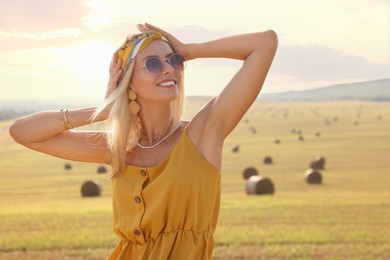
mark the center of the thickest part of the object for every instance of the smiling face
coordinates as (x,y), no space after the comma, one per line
(161,87)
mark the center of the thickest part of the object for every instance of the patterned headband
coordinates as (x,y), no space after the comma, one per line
(135,44)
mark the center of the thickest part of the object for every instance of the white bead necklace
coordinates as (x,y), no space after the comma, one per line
(162,139)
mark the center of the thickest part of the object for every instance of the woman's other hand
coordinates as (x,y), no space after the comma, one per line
(176,44)
(115,74)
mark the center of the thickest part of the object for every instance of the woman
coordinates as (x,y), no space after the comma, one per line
(165,172)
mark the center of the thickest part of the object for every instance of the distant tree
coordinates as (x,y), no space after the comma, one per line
(6,114)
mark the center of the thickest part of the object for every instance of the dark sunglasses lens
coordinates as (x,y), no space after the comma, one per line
(154,65)
(177,61)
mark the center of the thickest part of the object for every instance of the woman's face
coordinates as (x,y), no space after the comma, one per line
(162,87)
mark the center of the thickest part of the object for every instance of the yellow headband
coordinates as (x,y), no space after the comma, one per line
(135,44)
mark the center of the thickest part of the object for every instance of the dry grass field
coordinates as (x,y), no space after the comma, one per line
(44,216)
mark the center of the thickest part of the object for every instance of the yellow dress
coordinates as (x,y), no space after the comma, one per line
(169,211)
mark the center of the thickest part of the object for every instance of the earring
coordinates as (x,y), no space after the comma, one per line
(133,105)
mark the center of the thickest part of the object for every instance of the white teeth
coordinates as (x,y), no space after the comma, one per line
(167,83)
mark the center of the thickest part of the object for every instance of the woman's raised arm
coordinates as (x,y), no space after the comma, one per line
(46,131)
(213,123)
(257,50)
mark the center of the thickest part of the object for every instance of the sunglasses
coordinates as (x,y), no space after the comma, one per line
(155,65)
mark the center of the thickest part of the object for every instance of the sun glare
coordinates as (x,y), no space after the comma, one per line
(93,57)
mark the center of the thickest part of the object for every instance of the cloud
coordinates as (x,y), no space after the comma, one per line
(40,15)
(195,33)
(59,33)
(314,62)
(295,66)
(380,2)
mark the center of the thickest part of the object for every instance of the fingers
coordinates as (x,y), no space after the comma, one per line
(152,27)
(147,26)
(142,28)
(114,61)
(115,74)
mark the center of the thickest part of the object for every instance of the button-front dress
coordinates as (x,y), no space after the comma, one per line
(169,211)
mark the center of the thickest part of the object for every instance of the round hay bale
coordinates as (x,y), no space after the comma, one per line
(235,148)
(277,141)
(91,188)
(312,176)
(257,185)
(268,160)
(102,169)
(315,165)
(253,130)
(318,163)
(248,172)
(68,166)
(321,161)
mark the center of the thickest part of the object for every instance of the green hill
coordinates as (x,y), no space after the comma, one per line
(377,90)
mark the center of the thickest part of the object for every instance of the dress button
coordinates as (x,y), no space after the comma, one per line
(137,232)
(143,173)
(137,200)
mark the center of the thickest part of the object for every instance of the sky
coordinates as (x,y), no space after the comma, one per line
(58,49)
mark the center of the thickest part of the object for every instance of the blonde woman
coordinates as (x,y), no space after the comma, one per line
(165,171)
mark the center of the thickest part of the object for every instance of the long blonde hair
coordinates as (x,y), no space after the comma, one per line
(124,129)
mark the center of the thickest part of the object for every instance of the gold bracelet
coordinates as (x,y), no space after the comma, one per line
(64,119)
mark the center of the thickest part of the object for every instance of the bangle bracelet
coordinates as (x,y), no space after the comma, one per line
(64,119)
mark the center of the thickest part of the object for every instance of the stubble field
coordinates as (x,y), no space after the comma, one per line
(44,216)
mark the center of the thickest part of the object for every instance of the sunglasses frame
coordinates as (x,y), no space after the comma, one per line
(162,60)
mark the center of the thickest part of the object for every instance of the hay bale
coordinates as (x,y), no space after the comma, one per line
(315,165)
(268,160)
(253,130)
(277,141)
(102,169)
(321,160)
(312,176)
(235,148)
(249,172)
(91,188)
(258,185)
(318,163)
(301,138)
(68,166)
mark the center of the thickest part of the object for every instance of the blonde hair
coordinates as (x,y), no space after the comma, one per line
(124,129)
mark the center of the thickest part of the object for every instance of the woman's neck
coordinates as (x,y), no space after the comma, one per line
(155,124)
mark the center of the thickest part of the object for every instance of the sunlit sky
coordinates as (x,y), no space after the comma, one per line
(62,48)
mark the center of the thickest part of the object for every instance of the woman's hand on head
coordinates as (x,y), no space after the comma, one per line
(176,44)
(115,74)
